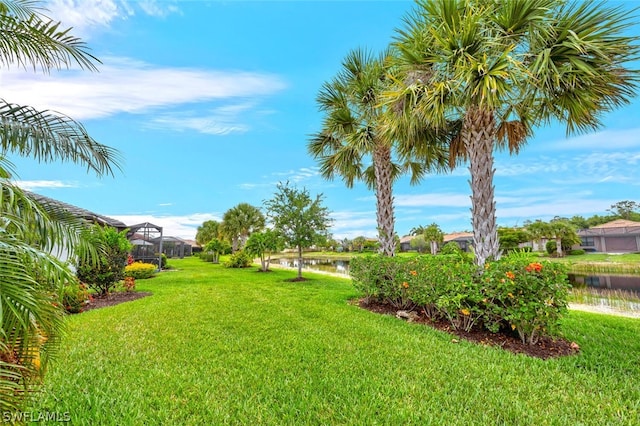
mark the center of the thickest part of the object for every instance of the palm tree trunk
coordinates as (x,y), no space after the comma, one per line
(384,199)
(434,247)
(478,134)
(559,247)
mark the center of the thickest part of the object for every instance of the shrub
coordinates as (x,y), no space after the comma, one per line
(577,252)
(103,268)
(75,297)
(551,247)
(451,248)
(515,292)
(140,271)
(129,284)
(530,297)
(239,259)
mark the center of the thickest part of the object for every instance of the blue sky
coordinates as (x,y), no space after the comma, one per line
(211,103)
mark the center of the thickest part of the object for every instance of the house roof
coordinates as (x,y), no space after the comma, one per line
(618,223)
(457,236)
(78,212)
(618,227)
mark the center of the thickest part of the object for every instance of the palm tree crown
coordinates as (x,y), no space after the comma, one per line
(355,129)
(495,70)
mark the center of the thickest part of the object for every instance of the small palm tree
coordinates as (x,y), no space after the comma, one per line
(355,130)
(239,222)
(490,72)
(31,278)
(434,235)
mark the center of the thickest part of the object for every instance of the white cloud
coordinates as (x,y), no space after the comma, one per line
(609,140)
(174,226)
(350,224)
(128,86)
(219,121)
(88,16)
(31,185)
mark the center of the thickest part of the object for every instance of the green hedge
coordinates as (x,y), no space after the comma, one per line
(515,292)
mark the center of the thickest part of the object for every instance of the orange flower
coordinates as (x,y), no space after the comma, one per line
(465,311)
(510,275)
(405,284)
(414,273)
(534,266)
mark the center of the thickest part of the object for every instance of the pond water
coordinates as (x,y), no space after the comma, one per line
(324,265)
(606,281)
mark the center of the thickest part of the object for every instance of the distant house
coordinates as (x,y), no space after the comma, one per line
(405,242)
(464,239)
(618,236)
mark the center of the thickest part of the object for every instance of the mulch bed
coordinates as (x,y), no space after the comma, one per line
(115,298)
(544,349)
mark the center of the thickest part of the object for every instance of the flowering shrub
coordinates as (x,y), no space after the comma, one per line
(529,297)
(139,270)
(129,284)
(382,278)
(75,297)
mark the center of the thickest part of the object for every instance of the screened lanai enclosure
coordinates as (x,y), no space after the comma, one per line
(146,239)
(173,247)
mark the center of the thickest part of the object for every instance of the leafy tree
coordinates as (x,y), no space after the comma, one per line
(263,245)
(31,231)
(217,247)
(359,243)
(206,232)
(102,271)
(241,221)
(490,72)
(625,209)
(354,131)
(511,238)
(301,220)
(418,243)
(434,236)
(579,222)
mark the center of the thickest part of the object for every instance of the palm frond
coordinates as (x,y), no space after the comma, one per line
(37,42)
(47,136)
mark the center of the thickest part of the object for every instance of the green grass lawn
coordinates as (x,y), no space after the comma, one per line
(222,346)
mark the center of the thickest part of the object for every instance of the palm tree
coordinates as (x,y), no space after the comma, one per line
(209,230)
(241,221)
(354,129)
(434,235)
(498,69)
(31,277)
(417,230)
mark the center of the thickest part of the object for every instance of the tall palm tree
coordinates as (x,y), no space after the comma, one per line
(241,221)
(498,69)
(30,276)
(355,130)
